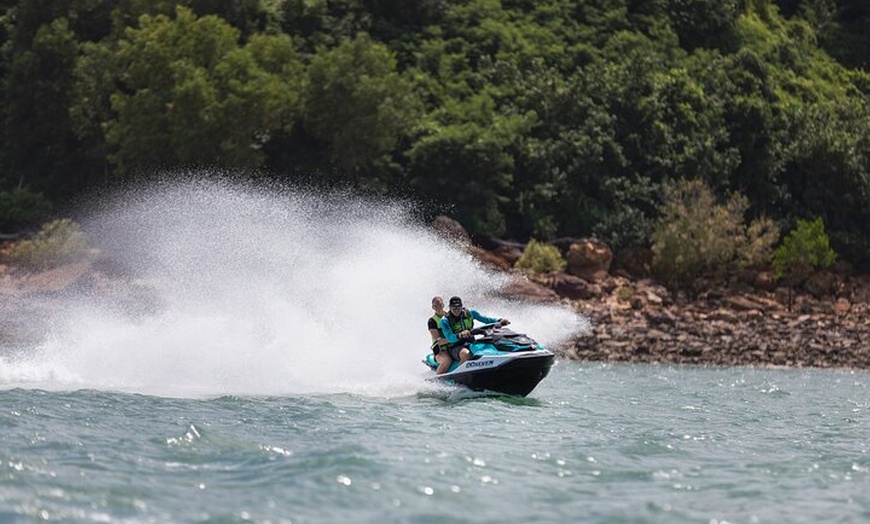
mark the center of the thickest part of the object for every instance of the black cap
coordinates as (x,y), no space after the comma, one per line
(455,302)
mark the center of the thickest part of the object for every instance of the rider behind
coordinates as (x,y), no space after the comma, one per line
(439,343)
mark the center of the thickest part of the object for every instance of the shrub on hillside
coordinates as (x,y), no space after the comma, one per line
(697,237)
(58,242)
(540,258)
(805,249)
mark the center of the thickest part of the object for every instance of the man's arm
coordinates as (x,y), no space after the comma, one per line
(483,318)
(447,332)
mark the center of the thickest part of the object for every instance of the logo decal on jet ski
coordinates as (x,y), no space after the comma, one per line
(479,363)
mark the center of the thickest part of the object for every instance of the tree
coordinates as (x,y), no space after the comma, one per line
(322,23)
(468,165)
(704,23)
(829,164)
(42,151)
(698,237)
(803,250)
(191,95)
(356,103)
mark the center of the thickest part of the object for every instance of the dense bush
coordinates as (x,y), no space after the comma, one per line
(803,250)
(541,257)
(58,242)
(696,236)
(21,208)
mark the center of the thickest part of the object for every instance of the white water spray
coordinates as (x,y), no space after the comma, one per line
(266,292)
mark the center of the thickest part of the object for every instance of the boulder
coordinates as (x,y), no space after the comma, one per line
(636,261)
(572,287)
(764,280)
(842,306)
(489,258)
(520,288)
(656,294)
(451,230)
(660,317)
(589,259)
(54,279)
(824,283)
(509,254)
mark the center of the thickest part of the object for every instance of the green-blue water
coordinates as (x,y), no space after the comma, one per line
(594,443)
(258,359)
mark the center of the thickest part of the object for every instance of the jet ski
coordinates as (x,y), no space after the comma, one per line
(502,361)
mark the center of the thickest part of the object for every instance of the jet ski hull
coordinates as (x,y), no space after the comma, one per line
(511,374)
(502,361)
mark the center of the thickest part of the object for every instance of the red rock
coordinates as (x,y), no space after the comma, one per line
(55,279)
(842,306)
(525,289)
(451,229)
(589,259)
(508,253)
(572,287)
(765,281)
(489,258)
(742,303)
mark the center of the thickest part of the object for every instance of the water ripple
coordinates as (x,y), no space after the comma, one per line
(624,444)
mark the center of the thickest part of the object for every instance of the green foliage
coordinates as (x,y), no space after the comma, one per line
(38,141)
(540,257)
(842,29)
(629,221)
(803,250)
(323,22)
(698,237)
(525,118)
(356,103)
(469,163)
(704,23)
(192,95)
(58,242)
(829,165)
(21,208)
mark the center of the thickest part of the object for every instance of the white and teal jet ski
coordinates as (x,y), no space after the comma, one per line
(502,361)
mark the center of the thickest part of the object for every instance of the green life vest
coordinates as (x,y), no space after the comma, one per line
(460,323)
(437,320)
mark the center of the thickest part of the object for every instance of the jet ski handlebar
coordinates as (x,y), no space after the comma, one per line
(484,330)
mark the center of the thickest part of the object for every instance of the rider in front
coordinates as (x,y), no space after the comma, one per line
(456,327)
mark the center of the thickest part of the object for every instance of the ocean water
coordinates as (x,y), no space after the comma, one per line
(594,443)
(273,375)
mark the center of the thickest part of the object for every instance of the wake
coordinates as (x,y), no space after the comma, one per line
(264,291)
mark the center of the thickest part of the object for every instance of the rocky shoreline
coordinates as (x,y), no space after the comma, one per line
(747,323)
(637,320)
(724,329)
